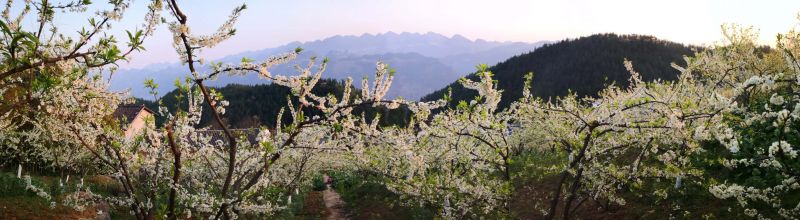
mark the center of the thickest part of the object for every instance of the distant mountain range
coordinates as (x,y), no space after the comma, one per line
(424,62)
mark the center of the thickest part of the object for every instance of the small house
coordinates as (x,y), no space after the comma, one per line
(133,118)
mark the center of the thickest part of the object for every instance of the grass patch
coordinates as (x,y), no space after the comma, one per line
(17,202)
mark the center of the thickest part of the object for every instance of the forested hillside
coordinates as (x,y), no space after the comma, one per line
(583,65)
(259,105)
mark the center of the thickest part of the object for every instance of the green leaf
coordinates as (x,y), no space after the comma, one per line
(149,83)
(5,28)
(338,127)
(482,67)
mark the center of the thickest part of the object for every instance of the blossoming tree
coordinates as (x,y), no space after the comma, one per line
(458,159)
(50,78)
(177,165)
(759,133)
(626,140)
(733,106)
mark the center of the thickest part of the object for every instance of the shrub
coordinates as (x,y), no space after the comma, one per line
(318,183)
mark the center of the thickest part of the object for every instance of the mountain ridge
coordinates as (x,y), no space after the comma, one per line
(440,60)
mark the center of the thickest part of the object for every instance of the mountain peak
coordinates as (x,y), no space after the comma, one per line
(430,57)
(460,38)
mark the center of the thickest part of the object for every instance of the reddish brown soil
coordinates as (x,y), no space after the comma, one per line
(25,208)
(334,204)
(313,206)
(533,196)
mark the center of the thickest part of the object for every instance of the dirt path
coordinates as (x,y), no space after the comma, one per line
(334,204)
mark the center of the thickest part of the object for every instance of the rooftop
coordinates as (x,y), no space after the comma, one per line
(129,112)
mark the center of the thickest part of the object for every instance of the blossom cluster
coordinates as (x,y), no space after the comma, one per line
(642,139)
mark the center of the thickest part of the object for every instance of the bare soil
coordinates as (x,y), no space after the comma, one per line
(334,204)
(19,208)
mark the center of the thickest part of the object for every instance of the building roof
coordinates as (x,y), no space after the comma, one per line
(129,112)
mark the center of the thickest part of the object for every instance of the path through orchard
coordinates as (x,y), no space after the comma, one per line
(334,203)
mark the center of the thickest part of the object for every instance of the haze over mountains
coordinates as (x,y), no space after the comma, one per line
(424,62)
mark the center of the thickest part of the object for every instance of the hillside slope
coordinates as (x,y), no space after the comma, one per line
(583,65)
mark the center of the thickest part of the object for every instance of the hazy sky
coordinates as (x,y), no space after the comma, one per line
(270,23)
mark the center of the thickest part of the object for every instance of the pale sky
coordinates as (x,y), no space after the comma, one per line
(270,23)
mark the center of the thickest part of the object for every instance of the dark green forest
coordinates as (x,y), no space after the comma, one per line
(584,66)
(257,105)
